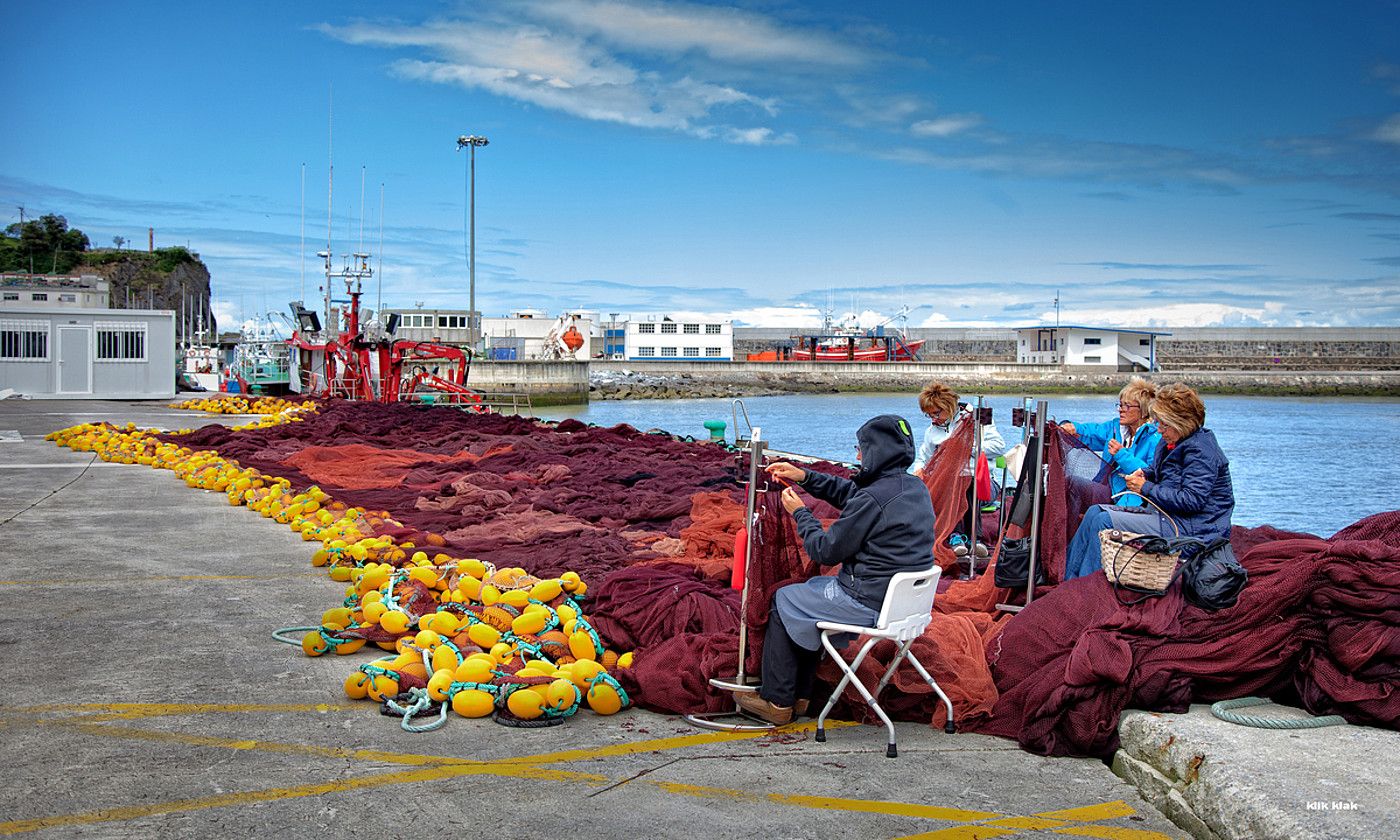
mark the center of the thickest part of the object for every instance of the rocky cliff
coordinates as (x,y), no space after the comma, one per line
(168,278)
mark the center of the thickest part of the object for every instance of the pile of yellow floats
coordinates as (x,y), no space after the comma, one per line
(237,405)
(477,638)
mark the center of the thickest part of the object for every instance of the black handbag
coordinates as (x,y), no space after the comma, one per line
(1013,563)
(1212,578)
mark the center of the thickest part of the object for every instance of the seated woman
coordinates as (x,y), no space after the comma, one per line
(1128,443)
(940,404)
(885,527)
(1189,479)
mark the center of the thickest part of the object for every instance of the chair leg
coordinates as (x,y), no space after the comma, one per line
(950,727)
(848,676)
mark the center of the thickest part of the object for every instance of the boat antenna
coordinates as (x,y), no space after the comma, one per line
(379,280)
(362,207)
(330,191)
(1057,309)
(303,233)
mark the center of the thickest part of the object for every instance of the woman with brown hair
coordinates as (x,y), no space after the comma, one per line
(1189,480)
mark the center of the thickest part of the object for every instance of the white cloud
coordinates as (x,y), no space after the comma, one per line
(731,35)
(586,60)
(1267,314)
(945,126)
(1388,131)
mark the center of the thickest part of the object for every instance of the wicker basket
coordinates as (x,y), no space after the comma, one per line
(1129,566)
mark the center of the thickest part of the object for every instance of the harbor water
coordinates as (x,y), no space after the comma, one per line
(1300,463)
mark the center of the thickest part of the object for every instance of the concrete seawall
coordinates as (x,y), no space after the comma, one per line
(552,382)
(669,380)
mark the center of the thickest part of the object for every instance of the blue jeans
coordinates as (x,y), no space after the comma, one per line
(1083,556)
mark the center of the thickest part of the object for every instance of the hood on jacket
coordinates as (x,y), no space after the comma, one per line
(886,444)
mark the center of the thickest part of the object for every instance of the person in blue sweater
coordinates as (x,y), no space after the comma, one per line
(1189,480)
(1126,444)
(886,527)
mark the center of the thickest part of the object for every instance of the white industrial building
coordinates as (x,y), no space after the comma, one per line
(662,338)
(1104,349)
(66,353)
(43,291)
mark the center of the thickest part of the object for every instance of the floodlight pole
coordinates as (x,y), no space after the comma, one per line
(473,323)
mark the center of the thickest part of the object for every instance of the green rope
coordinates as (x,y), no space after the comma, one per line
(1223,710)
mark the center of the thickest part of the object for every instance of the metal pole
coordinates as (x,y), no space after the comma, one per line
(1041,411)
(974,504)
(471,264)
(755,464)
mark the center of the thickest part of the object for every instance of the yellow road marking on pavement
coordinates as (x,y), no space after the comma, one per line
(431,767)
(400,777)
(1092,813)
(1027,823)
(127,580)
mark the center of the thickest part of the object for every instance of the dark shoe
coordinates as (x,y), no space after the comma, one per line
(755,705)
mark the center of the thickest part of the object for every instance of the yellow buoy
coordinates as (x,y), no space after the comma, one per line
(604,699)
(357,685)
(313,645)
(438,684)
(484,635)
(394,621)
(475,671)
(582,646)
(381,686)
(473,703)
(562,694)
(526,703)
(529,623)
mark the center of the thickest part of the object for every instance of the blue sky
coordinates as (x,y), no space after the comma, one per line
(1154,164)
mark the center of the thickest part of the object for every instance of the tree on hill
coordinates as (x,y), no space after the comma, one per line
(45,245)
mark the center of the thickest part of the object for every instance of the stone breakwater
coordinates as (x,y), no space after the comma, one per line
(636,385)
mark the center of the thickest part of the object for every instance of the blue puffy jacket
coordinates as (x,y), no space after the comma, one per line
(1191,481)
(1138,455)
(887,522)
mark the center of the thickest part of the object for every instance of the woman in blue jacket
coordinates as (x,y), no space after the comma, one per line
(886,527)
(1128,443)
(1189,479)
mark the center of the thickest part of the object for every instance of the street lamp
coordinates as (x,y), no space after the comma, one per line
(473,322)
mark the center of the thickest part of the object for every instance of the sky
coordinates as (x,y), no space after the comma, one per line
(1147,165)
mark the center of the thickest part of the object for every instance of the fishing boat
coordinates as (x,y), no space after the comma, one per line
(855,348)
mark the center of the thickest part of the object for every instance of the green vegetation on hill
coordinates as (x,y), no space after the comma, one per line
(162,260)
(45,245)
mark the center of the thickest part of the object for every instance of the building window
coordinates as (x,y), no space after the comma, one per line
(646,328)
(39,296)
(1094,341)
(691,329)
(27,340)
(714,351)
(12,296)
(690,351)
(452,322)
(668,351)
(67,298)
(668,327)
(646,351)
(121,342)
(1092,360)
(713,329)
(1144,342)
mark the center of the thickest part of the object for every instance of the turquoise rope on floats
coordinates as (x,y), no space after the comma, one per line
(604,677)
(420,702)
(331,642)
(1225,711)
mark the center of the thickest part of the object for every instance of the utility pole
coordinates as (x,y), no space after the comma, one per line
(473,321)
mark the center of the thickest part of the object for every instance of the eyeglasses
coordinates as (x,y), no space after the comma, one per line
(1127,406)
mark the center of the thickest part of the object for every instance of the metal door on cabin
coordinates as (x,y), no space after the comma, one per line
(75,360)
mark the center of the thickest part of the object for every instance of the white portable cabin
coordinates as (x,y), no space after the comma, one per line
(1106,349)
(126,354)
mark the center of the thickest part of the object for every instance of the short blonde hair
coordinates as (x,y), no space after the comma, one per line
(939,397)
(1179,408)
(1139,391)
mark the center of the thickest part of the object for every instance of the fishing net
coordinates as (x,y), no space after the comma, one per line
(650,521)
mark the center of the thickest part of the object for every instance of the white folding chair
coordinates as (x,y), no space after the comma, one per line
(906,612)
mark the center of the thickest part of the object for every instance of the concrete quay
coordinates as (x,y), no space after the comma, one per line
(1222,781)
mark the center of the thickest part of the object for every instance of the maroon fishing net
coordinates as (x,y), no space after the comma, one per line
(650,522)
